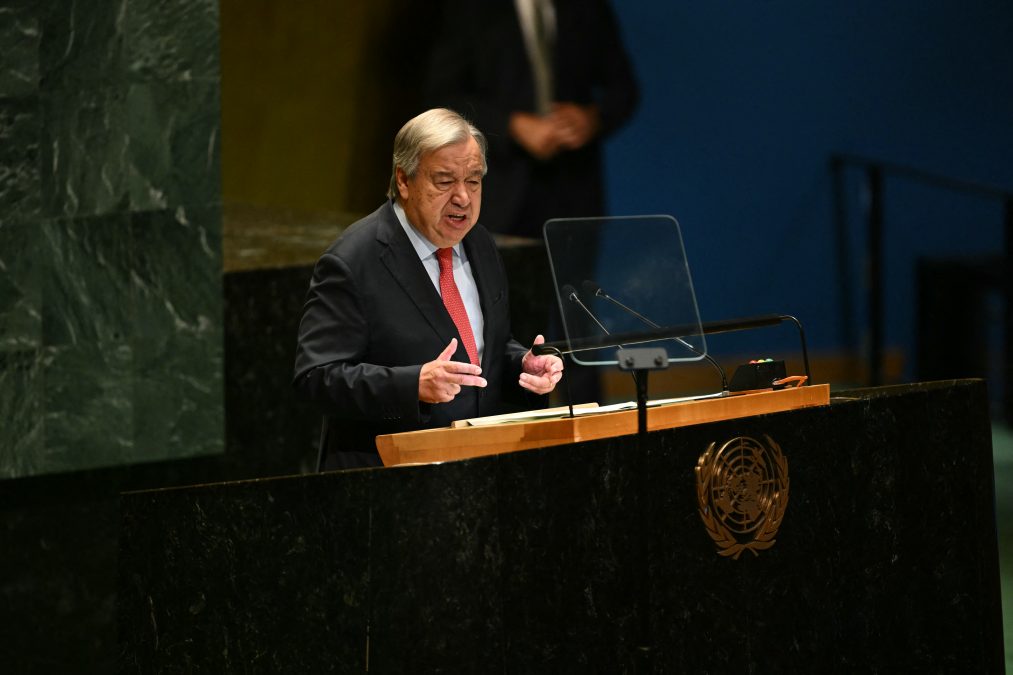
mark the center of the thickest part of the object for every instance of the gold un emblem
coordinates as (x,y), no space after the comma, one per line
(742,491)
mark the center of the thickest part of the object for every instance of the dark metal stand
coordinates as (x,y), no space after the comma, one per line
(640,362)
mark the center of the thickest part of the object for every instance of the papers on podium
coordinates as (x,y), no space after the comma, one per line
(579,410)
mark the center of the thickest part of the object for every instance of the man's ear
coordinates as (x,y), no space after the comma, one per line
(402,183)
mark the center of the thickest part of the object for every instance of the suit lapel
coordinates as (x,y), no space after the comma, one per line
(402,262)
(489,293)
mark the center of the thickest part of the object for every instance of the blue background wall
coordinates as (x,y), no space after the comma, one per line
(744,102)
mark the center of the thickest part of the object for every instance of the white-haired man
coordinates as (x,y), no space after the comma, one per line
(406,323)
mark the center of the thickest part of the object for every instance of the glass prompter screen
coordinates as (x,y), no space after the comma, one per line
(623,282)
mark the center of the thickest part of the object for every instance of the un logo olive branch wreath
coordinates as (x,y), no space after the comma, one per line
(742,494)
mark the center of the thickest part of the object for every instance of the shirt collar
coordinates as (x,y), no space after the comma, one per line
(423,247)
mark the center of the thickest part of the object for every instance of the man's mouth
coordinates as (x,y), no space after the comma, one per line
(457,217)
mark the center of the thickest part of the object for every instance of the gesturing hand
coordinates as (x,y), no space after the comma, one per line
(540,373)
(441,380)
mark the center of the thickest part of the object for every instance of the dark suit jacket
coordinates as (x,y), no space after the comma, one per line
(480,68)
(372,318)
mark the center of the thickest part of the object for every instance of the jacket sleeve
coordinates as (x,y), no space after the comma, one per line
(332,367)
(618,93)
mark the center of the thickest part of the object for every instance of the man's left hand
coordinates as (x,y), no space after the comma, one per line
(540,373)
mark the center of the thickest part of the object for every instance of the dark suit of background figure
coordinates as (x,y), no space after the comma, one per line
(372,317)
(480,67)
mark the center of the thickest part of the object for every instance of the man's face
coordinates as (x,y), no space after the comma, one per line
(443,199)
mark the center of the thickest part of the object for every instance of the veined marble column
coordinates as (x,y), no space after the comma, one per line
(110,234)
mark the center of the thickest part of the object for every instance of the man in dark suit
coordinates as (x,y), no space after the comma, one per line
(547,81)
(406,324)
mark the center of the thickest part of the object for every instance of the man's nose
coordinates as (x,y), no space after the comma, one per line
(461,196)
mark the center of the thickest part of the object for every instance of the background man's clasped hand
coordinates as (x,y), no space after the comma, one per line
(567,127)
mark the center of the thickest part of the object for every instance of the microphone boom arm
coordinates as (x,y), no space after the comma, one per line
(599,293)
(708,328)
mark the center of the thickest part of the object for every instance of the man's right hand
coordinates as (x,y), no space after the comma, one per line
(441,380)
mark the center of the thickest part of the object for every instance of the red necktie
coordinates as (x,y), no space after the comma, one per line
(452,299)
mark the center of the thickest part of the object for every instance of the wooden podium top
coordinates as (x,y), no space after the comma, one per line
(446,444)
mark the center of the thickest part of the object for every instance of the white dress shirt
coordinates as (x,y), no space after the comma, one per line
(463,276)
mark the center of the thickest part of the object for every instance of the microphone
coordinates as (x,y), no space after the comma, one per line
(595,290)
(570,293)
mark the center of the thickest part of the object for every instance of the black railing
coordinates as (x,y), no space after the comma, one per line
(875,173)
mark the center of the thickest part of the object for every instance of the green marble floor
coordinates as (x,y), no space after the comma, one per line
(1002,451)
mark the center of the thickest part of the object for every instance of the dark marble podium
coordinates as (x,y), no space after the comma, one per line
(590,557)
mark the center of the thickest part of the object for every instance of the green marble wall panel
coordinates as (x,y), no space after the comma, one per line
(178,337)
(174,155)
(111,326)
(81,45)
(86,281)
(155,52)
(21,409)
(20,287)
(145,146)
(20,173)
(87,399)
(85,141)
(114,41)
(19,36)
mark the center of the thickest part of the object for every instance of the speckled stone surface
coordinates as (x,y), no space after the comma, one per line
(570,559)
